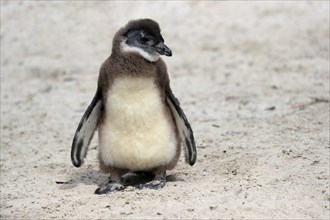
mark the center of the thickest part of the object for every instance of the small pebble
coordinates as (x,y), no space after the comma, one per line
(213,207)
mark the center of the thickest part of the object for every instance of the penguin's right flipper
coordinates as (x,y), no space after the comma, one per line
(183,126)
(86,129)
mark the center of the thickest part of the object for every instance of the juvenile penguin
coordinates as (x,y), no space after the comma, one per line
(140,122)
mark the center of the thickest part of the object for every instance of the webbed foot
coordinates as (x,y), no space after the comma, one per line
(158,182)
(109,188)
(154,184)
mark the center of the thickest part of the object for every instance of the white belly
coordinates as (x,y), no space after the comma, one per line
(135,133)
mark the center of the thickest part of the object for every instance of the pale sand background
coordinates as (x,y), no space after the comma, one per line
(231,61)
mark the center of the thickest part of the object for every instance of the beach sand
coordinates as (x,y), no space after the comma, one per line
(252,78)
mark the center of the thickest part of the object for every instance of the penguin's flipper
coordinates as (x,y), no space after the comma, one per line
(86,129)
(183,126)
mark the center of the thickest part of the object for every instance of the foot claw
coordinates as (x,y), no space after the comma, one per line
(154,184)
(109,188)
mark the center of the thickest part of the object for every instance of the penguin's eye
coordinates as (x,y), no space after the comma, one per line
(145,39)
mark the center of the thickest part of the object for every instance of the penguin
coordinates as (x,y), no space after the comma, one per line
(140,123)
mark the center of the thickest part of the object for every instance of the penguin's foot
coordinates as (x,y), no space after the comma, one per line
(157,183)
(154,184)
(109,188)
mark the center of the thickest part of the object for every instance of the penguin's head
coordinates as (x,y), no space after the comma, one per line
(144,38)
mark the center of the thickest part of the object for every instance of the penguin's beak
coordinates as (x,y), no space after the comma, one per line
(162,49)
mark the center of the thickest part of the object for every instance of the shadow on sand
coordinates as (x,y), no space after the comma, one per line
(95,177)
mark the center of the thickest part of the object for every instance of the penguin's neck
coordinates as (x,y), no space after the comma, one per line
(132,64)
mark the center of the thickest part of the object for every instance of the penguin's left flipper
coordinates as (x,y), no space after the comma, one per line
(86,129)
(183,126)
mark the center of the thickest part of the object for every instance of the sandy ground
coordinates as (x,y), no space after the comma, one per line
(252,77)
